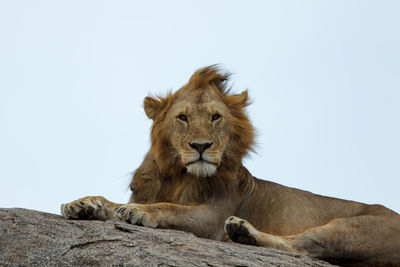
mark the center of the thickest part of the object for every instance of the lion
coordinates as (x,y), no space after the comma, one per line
(192,179)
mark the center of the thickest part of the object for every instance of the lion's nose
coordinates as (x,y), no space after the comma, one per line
(200,147)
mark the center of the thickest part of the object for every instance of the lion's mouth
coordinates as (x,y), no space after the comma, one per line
(201,160)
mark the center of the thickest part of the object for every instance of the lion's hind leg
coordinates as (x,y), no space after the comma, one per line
(89,208)
(366,240)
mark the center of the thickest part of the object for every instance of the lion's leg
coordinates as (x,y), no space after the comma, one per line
(202,220)
(90,208)
(366,239)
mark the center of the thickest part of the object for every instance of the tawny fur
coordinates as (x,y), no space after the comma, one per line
(192,179)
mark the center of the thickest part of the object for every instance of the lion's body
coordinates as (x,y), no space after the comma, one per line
(192,179)
(281,209)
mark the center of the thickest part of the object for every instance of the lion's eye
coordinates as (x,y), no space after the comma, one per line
(183,117)
(215,117)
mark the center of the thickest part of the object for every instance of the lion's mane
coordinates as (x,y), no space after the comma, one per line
(162,169)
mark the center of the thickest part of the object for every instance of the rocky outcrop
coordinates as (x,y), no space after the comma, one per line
(30,238)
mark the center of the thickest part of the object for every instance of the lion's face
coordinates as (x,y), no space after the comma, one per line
(200,126)
(199,131)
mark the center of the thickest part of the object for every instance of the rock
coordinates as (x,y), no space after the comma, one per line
(30,238)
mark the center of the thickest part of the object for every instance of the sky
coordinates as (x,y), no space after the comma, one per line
(323,76)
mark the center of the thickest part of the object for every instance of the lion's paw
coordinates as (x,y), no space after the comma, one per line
(89,208)
(240,231)
(136,214)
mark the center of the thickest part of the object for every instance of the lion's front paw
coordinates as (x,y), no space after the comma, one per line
(137,214)
(240,231)
(90,208)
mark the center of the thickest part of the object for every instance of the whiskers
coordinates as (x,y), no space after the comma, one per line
(190,157)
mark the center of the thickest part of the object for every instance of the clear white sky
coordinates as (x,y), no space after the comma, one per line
(324,77)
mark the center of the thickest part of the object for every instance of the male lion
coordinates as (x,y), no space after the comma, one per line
(192,179)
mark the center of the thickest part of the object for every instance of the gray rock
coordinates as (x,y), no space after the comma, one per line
(30,237)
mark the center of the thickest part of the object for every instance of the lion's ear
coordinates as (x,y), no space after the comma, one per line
(152,106)
(238,100)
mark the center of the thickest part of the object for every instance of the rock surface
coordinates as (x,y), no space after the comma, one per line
(30,238)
